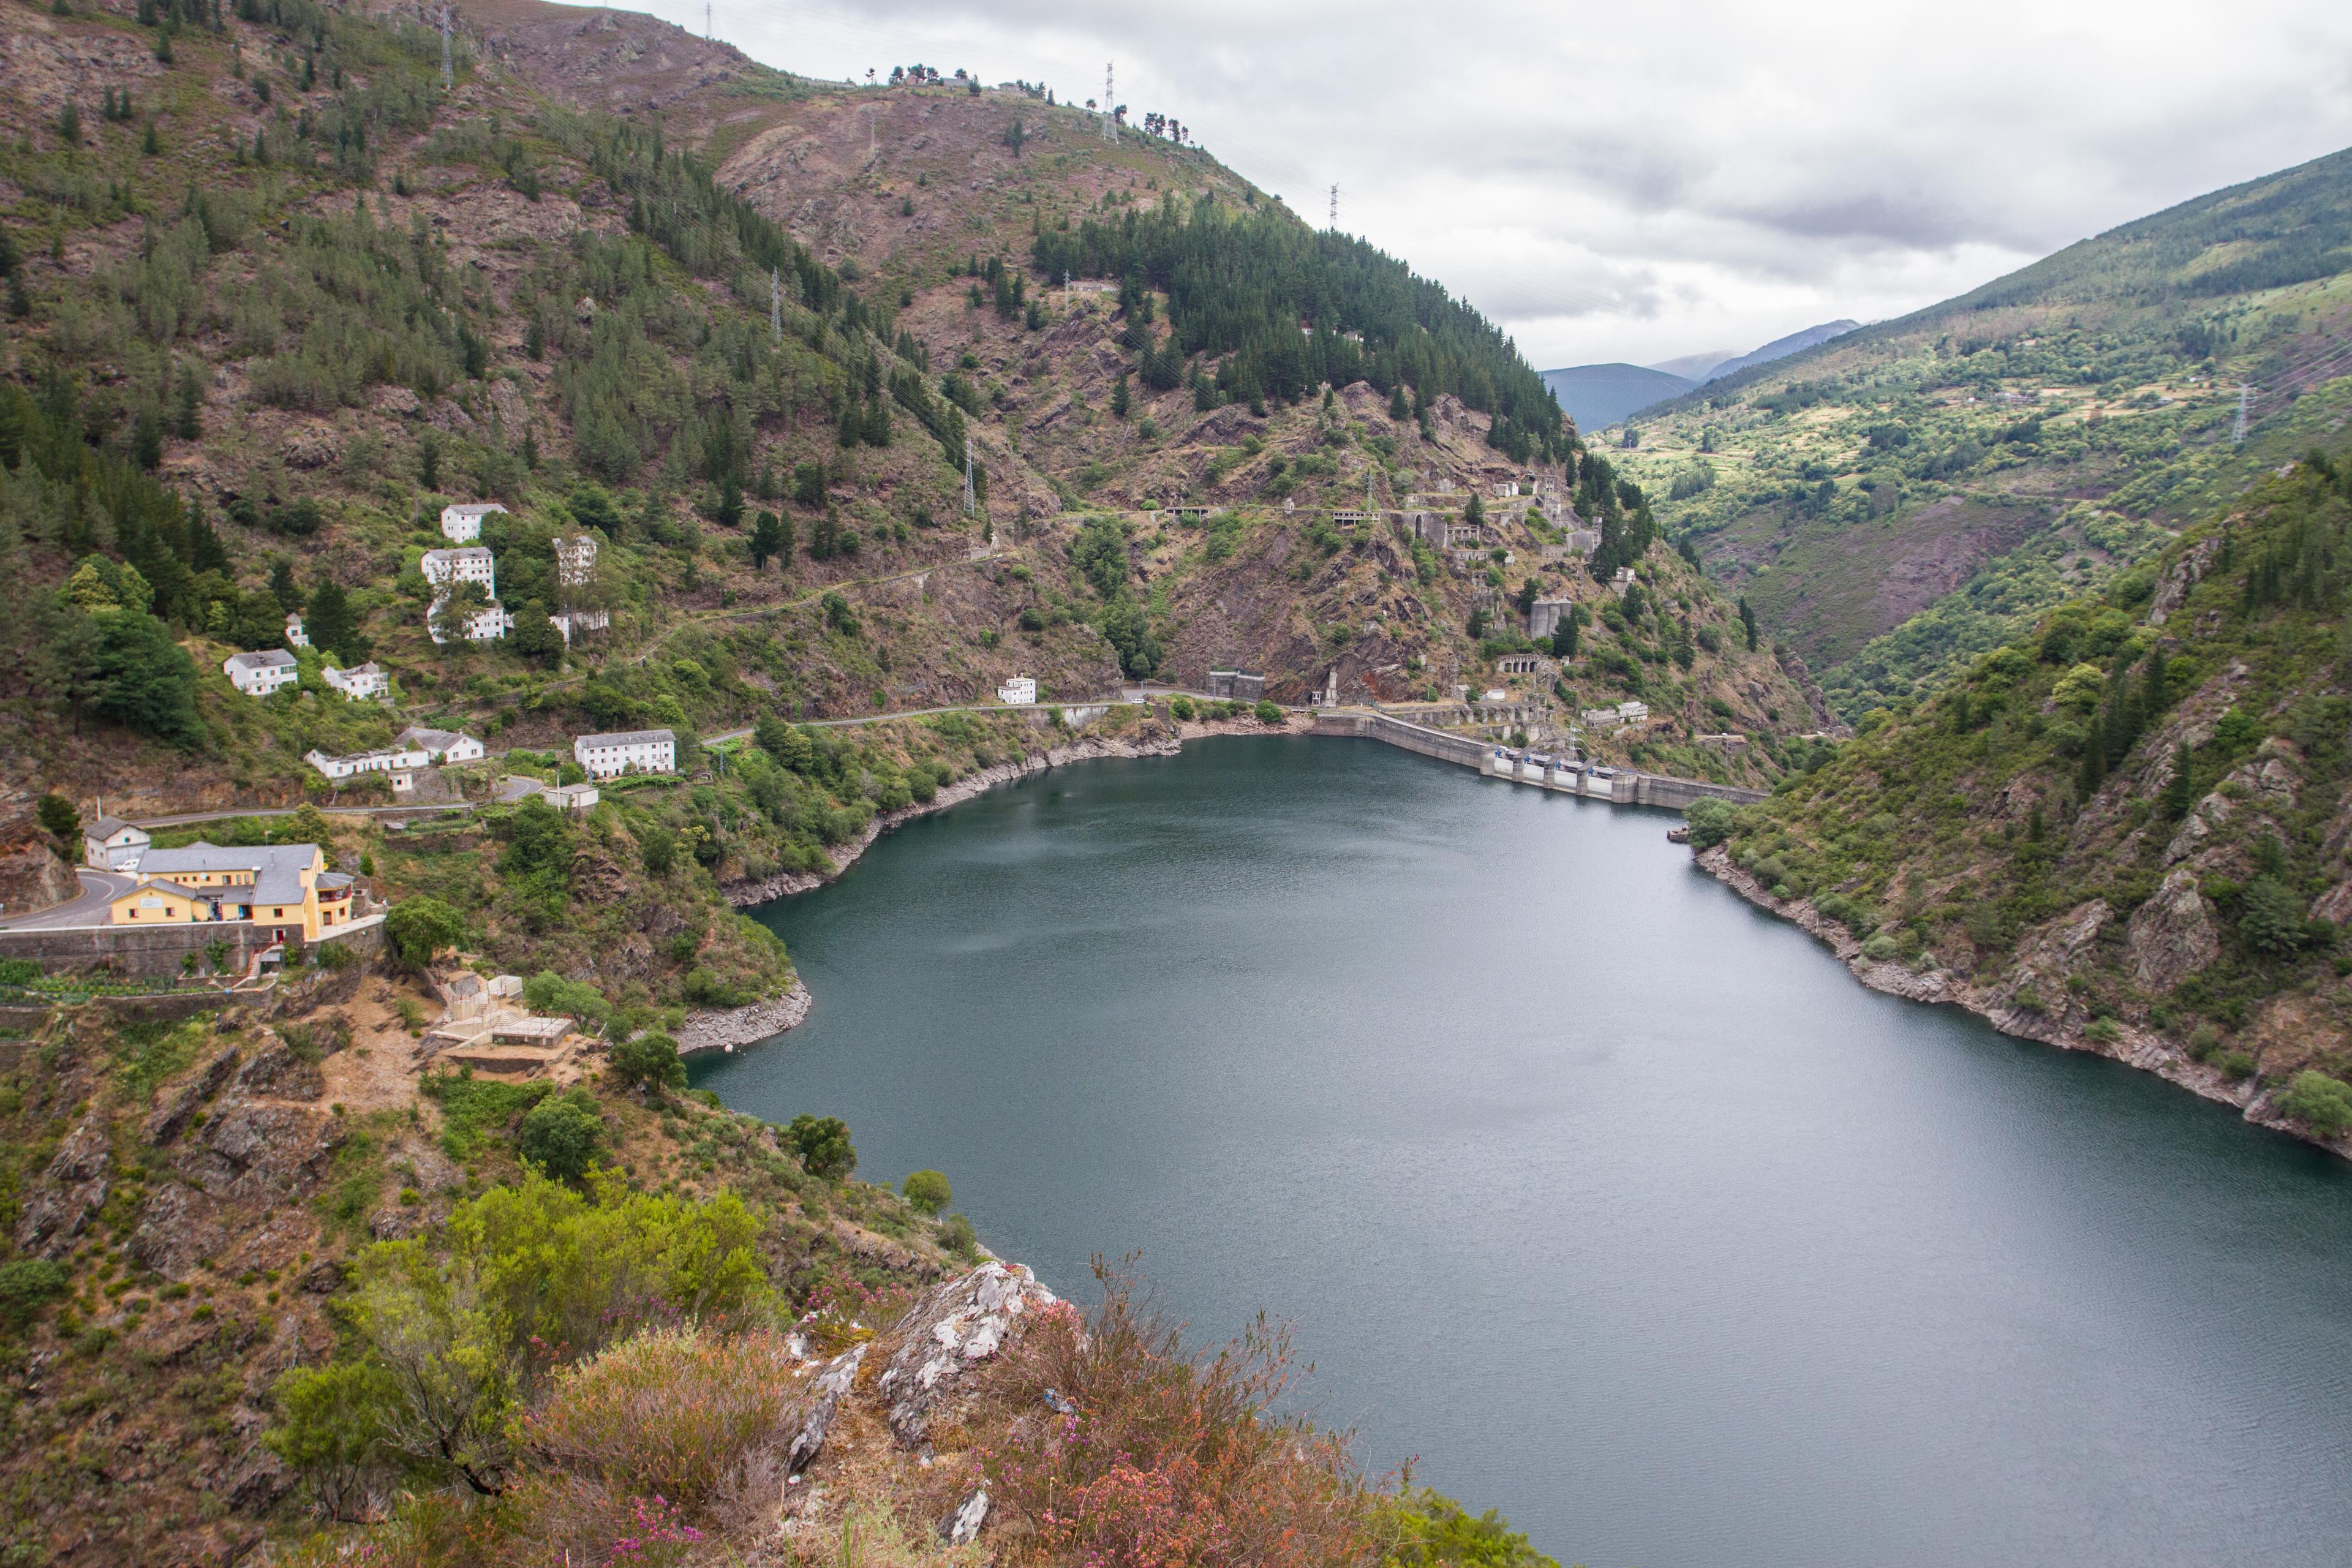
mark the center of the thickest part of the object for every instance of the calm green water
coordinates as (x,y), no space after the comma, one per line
(1618,1203)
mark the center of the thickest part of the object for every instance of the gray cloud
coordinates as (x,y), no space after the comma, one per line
(1613,184)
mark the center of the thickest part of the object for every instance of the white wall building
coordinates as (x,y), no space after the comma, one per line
(260,673)
(473,564)
(626,752)
(441,745)
(110,843)
(463,523)
(572,621)
(396,758)
(358,685)
(295,635)
(575,559)
(484,624)
(1021,692)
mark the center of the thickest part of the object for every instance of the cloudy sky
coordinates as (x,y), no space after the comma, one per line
(1648,181)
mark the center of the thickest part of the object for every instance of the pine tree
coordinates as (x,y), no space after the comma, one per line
(2180,789)
(1120,401)
(1748,624)
(70,124)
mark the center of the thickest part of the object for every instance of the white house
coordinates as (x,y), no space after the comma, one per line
(575,559)
(1632,712)
(441,745)
(110,843)
(357,685)
(260,673)
(579,621)
(1622,581)
(484,624)
(1021,692)
(463,523)
(473,564)
(396,758)
(626,752)
(295,635)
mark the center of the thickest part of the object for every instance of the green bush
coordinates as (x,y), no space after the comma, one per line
(1267,711)
(823,1146)
(1881,948)
(1426,1530)
(649,1061)
(421,928)
(1710,821)
(1181,708)
(928,1191)
(27,1285)
(563,1135)
(2320,1102)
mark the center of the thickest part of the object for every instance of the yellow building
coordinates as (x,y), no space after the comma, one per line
(284,886)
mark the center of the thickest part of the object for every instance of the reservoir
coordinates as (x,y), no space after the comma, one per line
(1617,1202)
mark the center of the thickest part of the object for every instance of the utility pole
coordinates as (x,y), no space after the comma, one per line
(705,19)
(2238,432)
(448,73)
(1110,115)
(970,491)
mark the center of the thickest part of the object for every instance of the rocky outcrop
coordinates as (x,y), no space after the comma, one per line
(181,1109)
(71,1191)
(2172,935)
(723,1029)
(957,1326)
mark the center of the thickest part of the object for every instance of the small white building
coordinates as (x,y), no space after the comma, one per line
(487,624)
(261,674)
(1504,490)
(358,685)
(473,564)
(396,758)
(575,559)
(295,635)
(1021,692)
(442,746)
(1622,581)
(463,523)
(110,843)
(626,752)
(1632,712)
(1496,694)
(583,621)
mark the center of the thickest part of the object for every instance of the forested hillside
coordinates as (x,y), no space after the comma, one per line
(1907,496)
(2128,828)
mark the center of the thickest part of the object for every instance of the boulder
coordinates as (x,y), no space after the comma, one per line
(2171,936)
(957,1325)
(173,1120)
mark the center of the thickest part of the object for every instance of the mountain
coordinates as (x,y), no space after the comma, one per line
(1778,348)
(801,402)
(1694,368)
(1596,396)
(1907,495)
(2127,829)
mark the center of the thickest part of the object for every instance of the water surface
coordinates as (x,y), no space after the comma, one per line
(1617,1202)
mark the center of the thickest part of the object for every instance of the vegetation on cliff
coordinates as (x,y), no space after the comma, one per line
(2131,823)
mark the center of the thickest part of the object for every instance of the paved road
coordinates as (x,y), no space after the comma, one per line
(99,888)
(183,819)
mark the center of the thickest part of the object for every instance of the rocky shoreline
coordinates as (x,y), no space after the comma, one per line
(723,1029)
(2058,1023)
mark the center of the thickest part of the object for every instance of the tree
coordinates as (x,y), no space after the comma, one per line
(1267,711)
(331,1424)
(1564,635)
(429,461)
(1120,400)
(823,1146)
(2180,789)
(649,1061)
(2320,1102)
(771,536)
(563,1135)
(2271,917)
(70,124)
(144,680)
(331,625)
(1398,409)
(657,847)
(1748,624)
(421,928)
(928,1191)
(63,820)
(535,637)
(282,586)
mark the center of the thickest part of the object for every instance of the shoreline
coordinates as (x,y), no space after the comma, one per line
(2065,1026)
(724,1029)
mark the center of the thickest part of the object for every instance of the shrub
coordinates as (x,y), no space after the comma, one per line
(1710,821)
(649,1061)
(928,1191)
(331,1423)
(1881,948)
(421,928)
(2320,1102)
(1181,708)
(548,992)
(1426,1528)
(563,1135)
(670,1413)
(2104,1031)
(1164,1456)
(1268,712)
(823,1146)
(27,1285)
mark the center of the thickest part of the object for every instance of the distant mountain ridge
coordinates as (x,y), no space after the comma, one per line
(1595,395)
